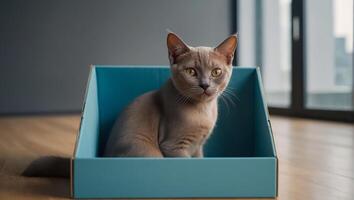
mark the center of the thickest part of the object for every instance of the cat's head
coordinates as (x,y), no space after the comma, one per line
(200,73)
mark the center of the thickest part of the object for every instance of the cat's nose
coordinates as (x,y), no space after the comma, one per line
(204,85)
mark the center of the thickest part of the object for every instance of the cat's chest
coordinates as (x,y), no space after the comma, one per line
(194,120)
(187,128)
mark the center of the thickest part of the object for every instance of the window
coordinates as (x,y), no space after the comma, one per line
(265,41)
(305,52)
(329,54)
(276,51)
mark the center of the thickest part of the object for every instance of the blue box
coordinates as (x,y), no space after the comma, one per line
(240,157)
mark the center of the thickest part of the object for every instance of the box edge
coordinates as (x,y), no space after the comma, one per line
(72,189)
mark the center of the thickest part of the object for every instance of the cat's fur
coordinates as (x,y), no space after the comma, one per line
(176,120)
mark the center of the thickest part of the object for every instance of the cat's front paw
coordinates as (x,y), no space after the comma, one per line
(198,153)
(176,153)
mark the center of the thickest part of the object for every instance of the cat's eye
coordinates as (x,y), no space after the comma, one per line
(216,72)
(191,71)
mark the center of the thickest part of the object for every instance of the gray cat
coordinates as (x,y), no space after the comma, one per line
(176,120)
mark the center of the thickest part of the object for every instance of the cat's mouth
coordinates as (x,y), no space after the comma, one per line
(207,93)
(200,94)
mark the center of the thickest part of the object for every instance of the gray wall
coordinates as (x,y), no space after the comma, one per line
(46,46)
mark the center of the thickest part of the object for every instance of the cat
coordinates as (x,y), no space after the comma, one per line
(174,121)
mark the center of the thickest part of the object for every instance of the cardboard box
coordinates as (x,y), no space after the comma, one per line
(240,158)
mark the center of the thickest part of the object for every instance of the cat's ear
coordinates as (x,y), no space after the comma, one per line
(227,48)
(176,47)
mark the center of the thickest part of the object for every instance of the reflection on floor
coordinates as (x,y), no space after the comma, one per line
(316,157)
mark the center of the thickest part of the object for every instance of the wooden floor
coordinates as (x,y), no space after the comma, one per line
(316,157)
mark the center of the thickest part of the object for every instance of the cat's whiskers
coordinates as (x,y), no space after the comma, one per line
(224,101)
(181,99)
(196,90)
(232,93)
(227,97)
(184,99)
(230,96)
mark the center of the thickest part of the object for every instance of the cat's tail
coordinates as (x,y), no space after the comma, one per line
(49,166)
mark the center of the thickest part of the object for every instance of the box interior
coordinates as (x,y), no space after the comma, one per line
(242,129)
